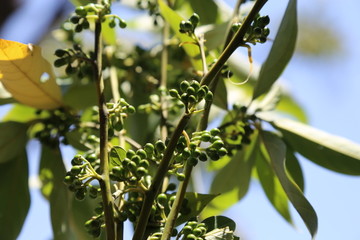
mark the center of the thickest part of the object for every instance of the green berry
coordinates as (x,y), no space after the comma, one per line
(78,28)
(174,93)
(194,19)
(235,27)
(85,24)
(141,171)
(80,11)
(191,237)
(141,153)
(162,199)
(149,148)
(190,91)
(184,85)
(187,230)
(222,152)
(130,109)
(201,93)
(75,19)
(215,132)
(263,21)
(80,194)
(209,96)
(68,179)
(136,159)
(192,99)
(61,62)
(205,137)
(186,153)
(77,160)
(217,144)
(122,23)
(112,24)
(192,161)
(180,177)
(203,157)
(76,169)
(130,153)
(144,163)
(171,187)
(160,146)
(61,52)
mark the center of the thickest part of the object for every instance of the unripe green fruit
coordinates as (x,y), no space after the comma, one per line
(70,69)
(171,187)
(122,23)
(235,27)
(117,171)
(68,179)
(91,157)
(149,148)
(197,232)
(80,194)
(78,28)
(190,91)
(162,199)
(85,24)
(130,153)
(201,93)
(187,230)
(112,24)
(76,170)
(194,19)
(144,163)
(184,98)
(180,177)
(266,32)
(215,132)
(184,85)
(130,109)
(136,159)
(217,144)
(174,93)
(205,137)
(186,153)
(93,192)
(132,166)
(195,84)
(191,237)
(141,153)
(196,153)
(209,96)
(203,157)
(160,146)
(192,99)
(141,171)
(192,161)
(80,11)
(263,21)
(74,19)
(222,152)
(61,62)
(76,161)
(60,53)
(192,146)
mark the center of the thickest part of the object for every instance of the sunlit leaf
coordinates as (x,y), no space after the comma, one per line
(221,203)
(276,149)
(14,192)
(21,113)
(327,150)
(207,14)
(28,76)
(12,138)
(174,20)
(196,202)
(289,106)
(215,222)
(294,168)
(280,53)
(272,187)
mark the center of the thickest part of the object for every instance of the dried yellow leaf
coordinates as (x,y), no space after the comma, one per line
(28,76)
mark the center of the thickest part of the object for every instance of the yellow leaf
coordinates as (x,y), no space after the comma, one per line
(28,76)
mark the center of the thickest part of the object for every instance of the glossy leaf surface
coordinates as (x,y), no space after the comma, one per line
(276,149)
(28,76)
(280,53)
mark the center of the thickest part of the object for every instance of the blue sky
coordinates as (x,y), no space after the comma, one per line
(328,90)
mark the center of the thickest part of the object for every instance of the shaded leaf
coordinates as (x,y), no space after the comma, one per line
(220,96)
(327,150)
(196,202)
(81,96)
(207,14)
(77,139)
(15,196)
(52,172)
(221,234)
(280,53)
(28,76)
(12,138)
(116,155)
(174,20)
(218,222)
(289,106)
(276,149)
(272,187)
(215,36)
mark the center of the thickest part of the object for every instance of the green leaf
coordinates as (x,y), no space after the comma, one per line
(332,152)
(289,106)
(52,172)
(108,33)
(221,203)
(81,96)
(218,222)
(272,187)
(116,155)
(215,37)
(174,20)
(276,149)
(237,173)
(12,138)
(280,53)
(21,113)
(294,168)
(220,96)
(15,196)
(207,14)
(196,202)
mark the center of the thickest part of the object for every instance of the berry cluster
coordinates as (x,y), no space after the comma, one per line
(173,105)
(238,131)
(93,225)
(191,94)
(80,175)
(55,126)
(117,113)
(258,32)
(193,231)
(189,25)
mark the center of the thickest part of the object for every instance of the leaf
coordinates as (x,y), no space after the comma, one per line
(116,155)
(272,187)
(289,106)
(207,14)
(21,113)
(221,234)
(52,172)
(277,152)
(28,76)
(294,168)
(14,192)
(220,96)
(77,139)
(221,203)
(12,138)
(218,222)
(174,20)
(329,151)
(280,53)
(196,202)
(81,96)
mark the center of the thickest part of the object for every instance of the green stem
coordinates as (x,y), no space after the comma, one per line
(234,43)
(158,179)
(103,117)
(176,206)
